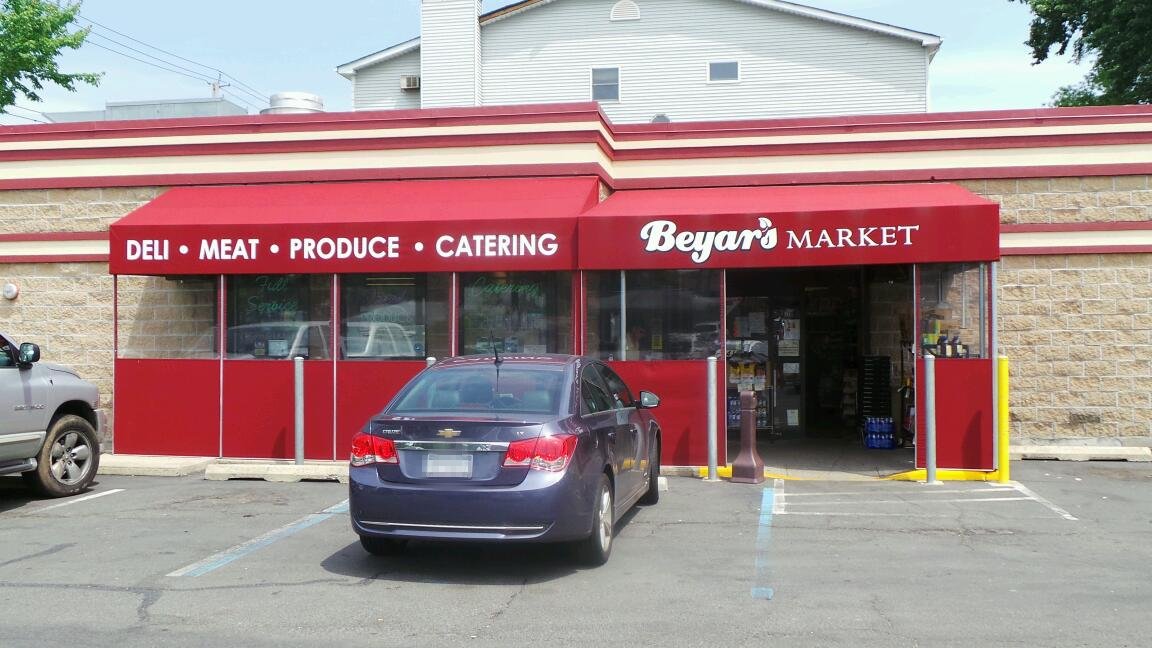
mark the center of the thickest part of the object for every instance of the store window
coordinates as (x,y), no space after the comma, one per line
(515,312)
(653,314)
(389,316)
(606,84)
(953,309)
(167,317)
(279,316)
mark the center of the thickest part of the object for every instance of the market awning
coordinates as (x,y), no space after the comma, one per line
(745,227)
(401,226)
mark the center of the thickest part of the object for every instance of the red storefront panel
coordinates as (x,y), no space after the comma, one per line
(259,409)
(402,226)
(964,412)
(363,388)
(167,407)
(762,227)
(683,411)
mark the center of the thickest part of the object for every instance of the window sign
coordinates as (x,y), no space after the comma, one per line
(516,312)
(279,316)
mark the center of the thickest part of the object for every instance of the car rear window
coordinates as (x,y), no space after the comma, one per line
(527,389)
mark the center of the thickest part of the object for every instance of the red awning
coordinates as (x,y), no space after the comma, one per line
(744,227)
(402,226)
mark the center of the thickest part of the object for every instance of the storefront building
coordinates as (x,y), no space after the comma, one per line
(367,242)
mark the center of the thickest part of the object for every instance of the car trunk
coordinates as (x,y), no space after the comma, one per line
(453,450)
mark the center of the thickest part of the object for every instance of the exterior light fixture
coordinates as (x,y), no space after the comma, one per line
(11,291)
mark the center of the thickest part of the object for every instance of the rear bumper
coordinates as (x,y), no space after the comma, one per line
(545,507)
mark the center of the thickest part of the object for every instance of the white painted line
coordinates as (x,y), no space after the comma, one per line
(916,493)
(854,514)
(1055,509)
(778,497)
(222,558)
(913,501)
(77,500)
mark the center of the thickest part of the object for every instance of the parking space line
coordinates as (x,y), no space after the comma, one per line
(1033,496)
(217,560)
(956,500)
(922,492)
(769,500)
(77,500)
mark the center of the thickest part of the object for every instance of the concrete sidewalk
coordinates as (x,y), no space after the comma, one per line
(816,465)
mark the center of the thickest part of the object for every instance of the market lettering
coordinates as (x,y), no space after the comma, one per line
(228,249)
(842,237)
(663,236)
(149,250)
(497,245)
(360,247)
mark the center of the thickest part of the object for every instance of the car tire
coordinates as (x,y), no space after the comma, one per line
(652,495)
(381,546)
(69,459)
(595,549)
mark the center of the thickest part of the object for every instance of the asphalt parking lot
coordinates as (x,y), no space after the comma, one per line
(1059,558)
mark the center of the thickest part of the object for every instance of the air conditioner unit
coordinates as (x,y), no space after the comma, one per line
(409,81)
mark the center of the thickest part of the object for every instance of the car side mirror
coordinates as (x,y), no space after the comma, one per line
(648,400)
(29,353)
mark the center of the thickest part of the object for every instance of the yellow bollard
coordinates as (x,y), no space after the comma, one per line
(1002,402)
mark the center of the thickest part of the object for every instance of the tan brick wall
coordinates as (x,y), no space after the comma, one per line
(1069,200)
(1077,328)
(35,211)
(66,308)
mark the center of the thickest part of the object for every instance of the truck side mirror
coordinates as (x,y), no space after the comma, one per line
(29,353)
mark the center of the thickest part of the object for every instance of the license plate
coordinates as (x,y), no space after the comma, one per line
(448,465)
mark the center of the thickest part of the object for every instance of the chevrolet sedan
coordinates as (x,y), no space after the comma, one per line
(548,448)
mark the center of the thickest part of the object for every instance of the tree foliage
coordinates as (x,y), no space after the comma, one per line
(32,35)
(1115,35)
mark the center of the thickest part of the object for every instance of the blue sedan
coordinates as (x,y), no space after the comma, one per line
(547,448)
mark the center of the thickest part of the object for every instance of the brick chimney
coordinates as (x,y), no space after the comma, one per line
(450,53)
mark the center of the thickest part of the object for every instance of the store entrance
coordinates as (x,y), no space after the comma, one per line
(827,352)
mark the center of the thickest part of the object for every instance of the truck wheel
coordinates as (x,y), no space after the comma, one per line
(68,461)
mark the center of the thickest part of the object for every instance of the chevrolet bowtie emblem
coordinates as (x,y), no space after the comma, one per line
(448,433)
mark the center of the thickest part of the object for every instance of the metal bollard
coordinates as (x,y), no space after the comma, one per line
(930,417)
(711,364)
(748,467)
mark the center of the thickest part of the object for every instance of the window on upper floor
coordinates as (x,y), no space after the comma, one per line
(723,71)
(606,84)
(625,10)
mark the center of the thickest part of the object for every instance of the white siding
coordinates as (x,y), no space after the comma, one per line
(450,47)
(378,87)
(789,65)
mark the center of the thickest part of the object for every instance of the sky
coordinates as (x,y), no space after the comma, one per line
(267,46)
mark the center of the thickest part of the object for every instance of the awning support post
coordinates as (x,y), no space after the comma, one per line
(299,370)
(712,419)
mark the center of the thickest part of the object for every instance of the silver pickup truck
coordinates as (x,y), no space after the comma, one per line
(50,421)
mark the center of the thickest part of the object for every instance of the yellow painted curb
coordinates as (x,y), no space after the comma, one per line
(945,475)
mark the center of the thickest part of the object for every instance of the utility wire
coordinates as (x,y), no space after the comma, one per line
(38,121)
(240,84)
(167,69)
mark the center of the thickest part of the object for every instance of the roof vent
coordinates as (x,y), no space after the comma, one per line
(287,103)
(625,10)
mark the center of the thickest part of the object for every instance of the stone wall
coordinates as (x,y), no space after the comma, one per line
(1077,328)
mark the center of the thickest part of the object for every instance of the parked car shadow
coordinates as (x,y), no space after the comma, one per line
(462,563)
(16,495)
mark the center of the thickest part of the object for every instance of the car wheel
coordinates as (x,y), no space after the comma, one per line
(595,549)
(381,546)
(652,495)
(68,461)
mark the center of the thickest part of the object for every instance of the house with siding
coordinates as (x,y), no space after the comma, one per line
(651,60)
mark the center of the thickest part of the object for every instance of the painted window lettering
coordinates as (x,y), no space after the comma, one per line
(496,245)
(662,236)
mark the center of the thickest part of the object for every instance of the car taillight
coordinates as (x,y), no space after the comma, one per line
(547,453)
(369,449)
